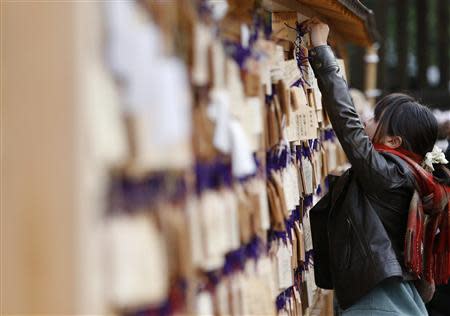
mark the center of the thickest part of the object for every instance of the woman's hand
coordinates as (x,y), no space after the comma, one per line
(318,31)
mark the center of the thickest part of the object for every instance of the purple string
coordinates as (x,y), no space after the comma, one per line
(130,195)
(327,183)
(298,83)
(290,222)
(300,30)
(306,152)
(234,261)
(202,177)
(298,272)
(281,301)
(277,159)
(180,191)
(260,23)
(254,249)
(319,190)
(238,52)
(227,176)
(269,163)
(308,201)
(253,36)
(283,297)
(300,56)
(274,236)
(213,278)
(257,162)
(281,235)
(311,143)
(163,310)
(212,175)
(309,260)
(298,152)
(316,145)
(309,257)
(257,22)
(296,214)
(269,98)
(284,158)
(329,135)
(289,225)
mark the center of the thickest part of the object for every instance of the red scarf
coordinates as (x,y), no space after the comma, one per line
(428,223)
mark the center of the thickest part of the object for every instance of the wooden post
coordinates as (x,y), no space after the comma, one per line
(38,168)
(422,43)
(381,8)
(370,85)
(51,57)
(402,43)
(443,39)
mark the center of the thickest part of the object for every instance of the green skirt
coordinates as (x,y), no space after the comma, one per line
(390,297)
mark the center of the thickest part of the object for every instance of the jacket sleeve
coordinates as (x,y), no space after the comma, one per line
(371,168)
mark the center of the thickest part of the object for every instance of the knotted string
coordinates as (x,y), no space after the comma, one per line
(301,58)
(308,201)
(130,195)
(283,297)
(329,135)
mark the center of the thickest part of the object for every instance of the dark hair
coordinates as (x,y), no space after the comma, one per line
(398,114)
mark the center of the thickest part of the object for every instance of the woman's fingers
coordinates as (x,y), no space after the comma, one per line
(308,24)
(314,20)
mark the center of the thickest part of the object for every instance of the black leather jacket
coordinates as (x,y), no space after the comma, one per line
(358,228)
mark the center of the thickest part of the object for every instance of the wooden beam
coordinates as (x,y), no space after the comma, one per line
(288,5)
(443,42)
(331,12)
(402,42)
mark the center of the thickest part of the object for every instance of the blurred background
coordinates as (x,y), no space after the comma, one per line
(413,49)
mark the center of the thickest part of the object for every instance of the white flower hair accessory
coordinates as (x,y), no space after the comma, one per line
(434,157)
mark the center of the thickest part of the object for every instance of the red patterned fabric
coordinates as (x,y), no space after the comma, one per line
(427,240)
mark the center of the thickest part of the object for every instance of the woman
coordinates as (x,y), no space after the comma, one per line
(359,227)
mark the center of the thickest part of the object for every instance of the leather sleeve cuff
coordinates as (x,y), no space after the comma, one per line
(322,58)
